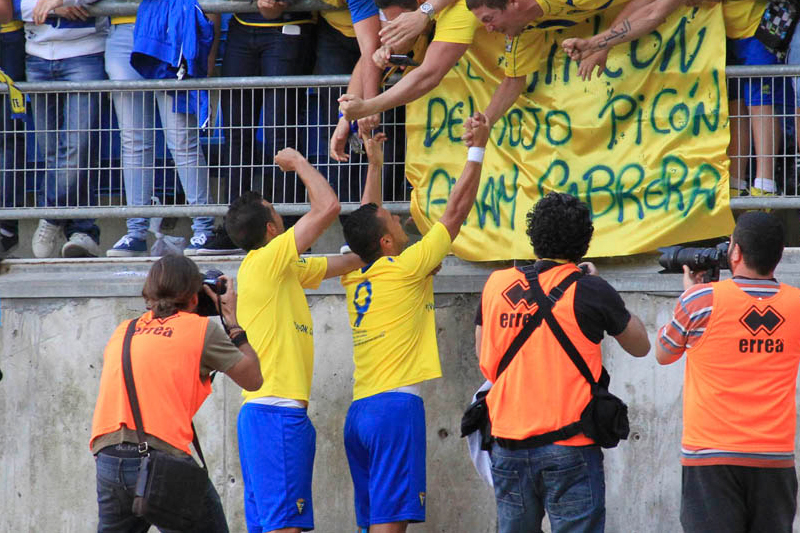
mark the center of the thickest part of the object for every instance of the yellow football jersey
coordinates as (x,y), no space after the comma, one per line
(273,310)
(390,306)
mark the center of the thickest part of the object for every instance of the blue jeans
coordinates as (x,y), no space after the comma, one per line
(66,128)
(12,155)
(116,481)
(565,481)
(136,117)
(256,51)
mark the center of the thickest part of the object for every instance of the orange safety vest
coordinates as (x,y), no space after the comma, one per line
(541,390)
(739,392)
(165,356)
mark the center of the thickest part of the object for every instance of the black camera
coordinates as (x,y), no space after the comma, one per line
(709,260)
(205,305)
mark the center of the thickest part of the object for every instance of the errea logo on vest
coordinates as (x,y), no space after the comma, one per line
(160,329)
(517,294)
(756,321)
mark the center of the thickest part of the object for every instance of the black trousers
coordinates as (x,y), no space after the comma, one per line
(733,499)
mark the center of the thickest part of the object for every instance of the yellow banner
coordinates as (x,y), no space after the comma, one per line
(644,145)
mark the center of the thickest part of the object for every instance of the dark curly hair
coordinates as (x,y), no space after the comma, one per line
(363,231)
(560,227)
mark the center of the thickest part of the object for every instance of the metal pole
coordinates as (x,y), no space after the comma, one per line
(117,8)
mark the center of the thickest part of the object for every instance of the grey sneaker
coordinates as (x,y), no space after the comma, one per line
(80,245)
(44,239)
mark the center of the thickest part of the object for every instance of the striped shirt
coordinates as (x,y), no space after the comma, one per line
(689,321)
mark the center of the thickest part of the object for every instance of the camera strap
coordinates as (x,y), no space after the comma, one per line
(133,398)
(536,319)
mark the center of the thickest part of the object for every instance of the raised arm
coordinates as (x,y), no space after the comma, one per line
(462,197)
(323,204)
(373,185)
(439,58)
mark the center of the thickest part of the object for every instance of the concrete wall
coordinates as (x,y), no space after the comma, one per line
(57,316)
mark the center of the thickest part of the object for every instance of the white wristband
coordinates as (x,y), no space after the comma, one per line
(475,154)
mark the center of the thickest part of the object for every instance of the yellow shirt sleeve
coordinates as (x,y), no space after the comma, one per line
(456,24)
(421,258)
(310,271)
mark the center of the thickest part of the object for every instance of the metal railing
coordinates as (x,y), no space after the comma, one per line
(89,164)
(127,149)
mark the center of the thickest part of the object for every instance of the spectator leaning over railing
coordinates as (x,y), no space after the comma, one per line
(65,47)
(741,338)
(12,154)
(277,441)
(173,355)
(273,42)
(135,112)
(455,29)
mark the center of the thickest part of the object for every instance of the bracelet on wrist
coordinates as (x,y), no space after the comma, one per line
(475,154)
(239,338)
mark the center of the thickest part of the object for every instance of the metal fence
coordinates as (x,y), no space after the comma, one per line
(126,149)
(120,149)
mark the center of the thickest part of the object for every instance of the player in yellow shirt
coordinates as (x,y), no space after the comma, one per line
(276,438)
(391,310)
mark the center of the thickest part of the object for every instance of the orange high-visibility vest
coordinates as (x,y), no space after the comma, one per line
(165,356)
(541,390)
(739,392)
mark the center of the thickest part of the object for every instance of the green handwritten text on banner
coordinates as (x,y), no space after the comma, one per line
(644,145)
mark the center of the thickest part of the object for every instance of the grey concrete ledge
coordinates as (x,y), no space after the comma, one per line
(122,277)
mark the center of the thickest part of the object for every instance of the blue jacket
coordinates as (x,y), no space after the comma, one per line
(169,35)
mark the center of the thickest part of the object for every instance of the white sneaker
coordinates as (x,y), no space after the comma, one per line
(197,242)
(44,239)
(80,245)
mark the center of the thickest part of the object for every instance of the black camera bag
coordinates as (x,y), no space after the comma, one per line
(170,491)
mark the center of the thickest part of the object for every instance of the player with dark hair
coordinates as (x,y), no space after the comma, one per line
(542,391)
(391,309)
(277,441)
(742,348)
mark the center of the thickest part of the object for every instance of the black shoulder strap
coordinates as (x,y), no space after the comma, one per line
(555,327)
(133,399)
(543,310)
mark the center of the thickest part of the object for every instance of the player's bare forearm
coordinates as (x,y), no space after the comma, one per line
(504,97)
(640,20)
(342,264)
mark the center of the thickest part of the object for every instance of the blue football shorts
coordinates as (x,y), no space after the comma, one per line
(384,438)
(276,451)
